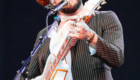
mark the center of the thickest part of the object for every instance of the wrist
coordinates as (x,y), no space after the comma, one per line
(90,37)
(94,41)
(89,34)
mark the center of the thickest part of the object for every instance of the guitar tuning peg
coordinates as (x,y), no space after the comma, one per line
(99,7)
(104,2)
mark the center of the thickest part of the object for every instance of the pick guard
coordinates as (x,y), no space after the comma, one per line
(60,71)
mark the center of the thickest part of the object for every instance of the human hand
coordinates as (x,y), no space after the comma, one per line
(80,30)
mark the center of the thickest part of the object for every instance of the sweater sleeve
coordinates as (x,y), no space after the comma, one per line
(110,47)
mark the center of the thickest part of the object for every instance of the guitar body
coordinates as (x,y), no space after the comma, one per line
(60,71)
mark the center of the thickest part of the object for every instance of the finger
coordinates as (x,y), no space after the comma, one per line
(75,30)
(71,27)
(73,23)
(72,35)
(72,31)
(78,25)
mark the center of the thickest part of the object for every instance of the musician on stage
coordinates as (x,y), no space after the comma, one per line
(99,48)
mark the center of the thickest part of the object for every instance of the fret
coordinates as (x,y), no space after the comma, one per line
(55,61)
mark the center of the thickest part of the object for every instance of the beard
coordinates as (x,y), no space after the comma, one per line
(69,10)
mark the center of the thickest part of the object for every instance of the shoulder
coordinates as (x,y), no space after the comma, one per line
(103,16)
(107,17)
(105,13)
(42,32)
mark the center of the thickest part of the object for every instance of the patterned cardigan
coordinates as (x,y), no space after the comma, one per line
(110,50)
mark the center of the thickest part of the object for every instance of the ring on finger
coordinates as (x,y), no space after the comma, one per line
(74,24)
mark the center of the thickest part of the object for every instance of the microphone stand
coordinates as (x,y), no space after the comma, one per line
(23,71)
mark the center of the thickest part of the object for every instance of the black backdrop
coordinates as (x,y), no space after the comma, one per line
(1,38)
(21,20)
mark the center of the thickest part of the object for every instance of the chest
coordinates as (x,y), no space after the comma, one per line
(60,25)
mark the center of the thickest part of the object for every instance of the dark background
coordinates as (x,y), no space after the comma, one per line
(21,20)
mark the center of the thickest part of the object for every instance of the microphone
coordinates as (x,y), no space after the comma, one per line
(58,8)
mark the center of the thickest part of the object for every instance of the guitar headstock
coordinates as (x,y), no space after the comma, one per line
(90,6)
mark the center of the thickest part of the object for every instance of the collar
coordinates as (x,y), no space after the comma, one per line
(65,18)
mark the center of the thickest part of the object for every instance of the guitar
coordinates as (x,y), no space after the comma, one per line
(56,67)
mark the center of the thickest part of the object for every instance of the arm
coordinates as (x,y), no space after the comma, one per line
(33,67)
(38,60)
(110,47)
(109,43)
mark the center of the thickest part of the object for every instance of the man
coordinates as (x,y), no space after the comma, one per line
(86,61)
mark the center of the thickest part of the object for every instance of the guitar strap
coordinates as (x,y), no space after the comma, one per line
(86,19)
